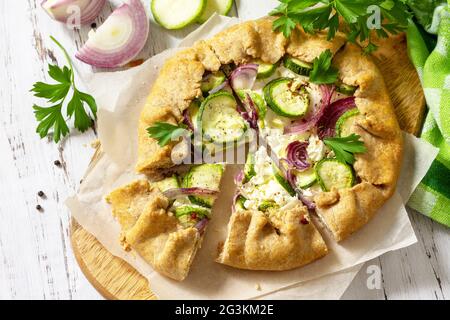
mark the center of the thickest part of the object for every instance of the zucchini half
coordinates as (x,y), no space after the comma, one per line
(299,67)
(345,122)
(283,101)
(219,119)
(177,14)
(332,173)
(206,176)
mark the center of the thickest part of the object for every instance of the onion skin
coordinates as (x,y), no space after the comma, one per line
(131,11)
(59,10)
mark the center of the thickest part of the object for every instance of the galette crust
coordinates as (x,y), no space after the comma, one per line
(278,241)
(152,231)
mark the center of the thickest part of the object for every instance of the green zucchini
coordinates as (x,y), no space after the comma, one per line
(212,80)
(240,203)
(332,173)
(190,215)
(260,104)
(282,181)
(168,183)
(205,176)
(297,66)
(345,122)
(219,119)
(306,179)
(193,110)
(265,70)
(249,167)
(265,205)
(222,7)
(177,14)
(346,89)
(285,102)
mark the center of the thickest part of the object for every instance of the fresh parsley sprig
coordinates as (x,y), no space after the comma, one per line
(165,132)
(322,71)
(317,15)
(345,147)
(52,116)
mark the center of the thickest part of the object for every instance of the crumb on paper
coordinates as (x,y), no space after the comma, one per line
(95,143)
(258,287)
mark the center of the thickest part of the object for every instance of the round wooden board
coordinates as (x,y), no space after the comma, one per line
(116,279)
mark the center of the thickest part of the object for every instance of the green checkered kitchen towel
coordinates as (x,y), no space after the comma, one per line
(432,196)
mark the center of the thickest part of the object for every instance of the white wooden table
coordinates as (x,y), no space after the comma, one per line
(36,260)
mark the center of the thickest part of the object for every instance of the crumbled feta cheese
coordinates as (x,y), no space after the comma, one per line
(316,148)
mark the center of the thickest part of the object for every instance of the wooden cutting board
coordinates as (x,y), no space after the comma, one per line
(116,279)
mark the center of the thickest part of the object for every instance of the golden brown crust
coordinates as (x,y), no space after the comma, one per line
(278,241)
(152,231)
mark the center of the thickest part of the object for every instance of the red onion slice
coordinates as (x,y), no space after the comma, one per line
(327,123)
(119,39)
(244,76)
(187,120)
(63,10)
(239,177)
(201,225)
(176,193)
(311,120)
(297,155)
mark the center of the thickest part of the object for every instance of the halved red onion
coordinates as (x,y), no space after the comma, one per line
(327,123)
(201,225)
(176,193)
(311,120)
(297,155)
(292,179)
(243,77)
(119,39)
(63,10)
(187,120)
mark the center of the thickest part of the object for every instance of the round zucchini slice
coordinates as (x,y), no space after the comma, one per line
(345,122)
(177,14)
(219,119)
(284,101)
(299,67)
(206,176)
(332,173)
(222,7)
(306,179)
(211,81)
(283,182)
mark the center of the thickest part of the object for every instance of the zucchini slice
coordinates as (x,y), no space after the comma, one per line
(284,101)
(332,173)
(306,179)
(346,89)
(176,14)
(265,205)
(260,104)
(345,122)
(249,167)
(206,176)
(222,7)
(282,181)
(240,203)
(211,81)
(190,215)
(168,183)
(219,119)
(265,70)
(299,67)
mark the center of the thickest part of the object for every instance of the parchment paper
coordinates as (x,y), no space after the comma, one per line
(120,96)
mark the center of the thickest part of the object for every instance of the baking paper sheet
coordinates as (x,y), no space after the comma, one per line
(120,96)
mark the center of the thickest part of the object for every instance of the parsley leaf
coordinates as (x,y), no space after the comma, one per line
(165,132)
(322,71)
(318,15)
(345,147)
(51,118)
